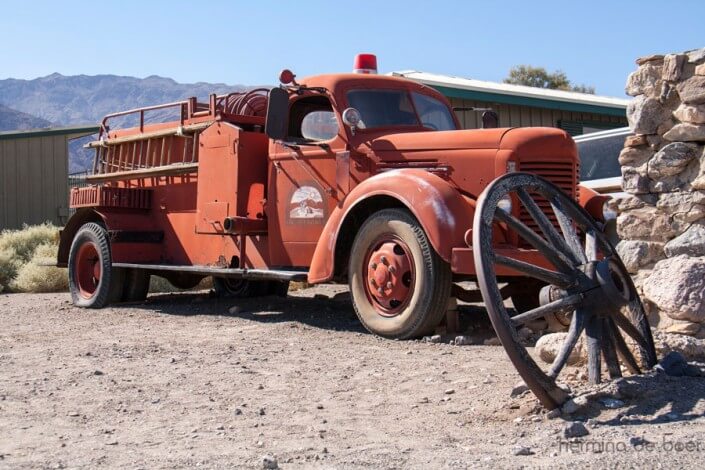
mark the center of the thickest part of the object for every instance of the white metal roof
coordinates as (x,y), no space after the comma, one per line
(511,90)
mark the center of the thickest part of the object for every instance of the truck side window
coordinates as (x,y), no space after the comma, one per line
(312,118)
(433,113)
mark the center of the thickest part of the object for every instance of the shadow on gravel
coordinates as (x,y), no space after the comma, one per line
(335,313)
(656,399)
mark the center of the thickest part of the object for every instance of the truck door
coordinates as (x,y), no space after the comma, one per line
(305,180)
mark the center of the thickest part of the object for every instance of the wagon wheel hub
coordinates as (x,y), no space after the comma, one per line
(389,276)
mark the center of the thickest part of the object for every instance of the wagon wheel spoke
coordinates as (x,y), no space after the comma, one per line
(609,352)
(593,336)
(545,224)
(557,306)
(531,270)
(555,256)
(623,350)
(568,230)
(577,325)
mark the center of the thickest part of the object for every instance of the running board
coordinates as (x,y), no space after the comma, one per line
(263,274)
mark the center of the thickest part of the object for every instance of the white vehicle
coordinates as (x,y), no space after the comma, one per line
(599,160)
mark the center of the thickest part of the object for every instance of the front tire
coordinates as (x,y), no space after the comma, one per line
(92,280)
(399,285)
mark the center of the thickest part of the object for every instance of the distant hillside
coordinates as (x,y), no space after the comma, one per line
(83,99)
(11,119)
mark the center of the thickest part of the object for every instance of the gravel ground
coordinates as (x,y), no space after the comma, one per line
(186,380)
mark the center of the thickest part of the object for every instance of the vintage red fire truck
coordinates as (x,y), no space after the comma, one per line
(351,178)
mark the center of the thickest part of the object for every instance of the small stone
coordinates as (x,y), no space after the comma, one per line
(683,328)
(637,441)
(686,132)
(645,114)
(671,160)
(487,381)
(692,90)
(554,413)
(172,360)
(524,333)
(234,310)
(649,58)
(449,391)
(575,429)
(691,242)
(432,339)
(693,114)
(74,414)
(270,462)
(673,66)
(549,345)
(462,340)
(521,450)
(237,411)
(635,141)
(573,405)
(98,372)
(675,365)
(635,156)
(518,420)
(519,389)
(319,406)
(261,412)
(611,403)
(494,341)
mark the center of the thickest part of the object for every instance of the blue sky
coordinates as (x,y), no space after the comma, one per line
(248,42)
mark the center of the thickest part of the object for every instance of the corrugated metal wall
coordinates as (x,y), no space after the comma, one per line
(526,116)
(33,180)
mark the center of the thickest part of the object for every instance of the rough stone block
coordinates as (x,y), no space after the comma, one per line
(686,132)
(671,160)
(673,67)
(691,242)
(692,114)
(638,253)
(692,90)
(677,287)
(645,114)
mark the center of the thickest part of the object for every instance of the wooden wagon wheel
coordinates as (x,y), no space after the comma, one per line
(585,275)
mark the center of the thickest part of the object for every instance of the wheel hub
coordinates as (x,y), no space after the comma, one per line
(389,277)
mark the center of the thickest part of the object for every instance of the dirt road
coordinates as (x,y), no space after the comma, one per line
(187,380)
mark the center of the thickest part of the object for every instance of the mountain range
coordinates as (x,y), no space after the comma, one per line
(59,100)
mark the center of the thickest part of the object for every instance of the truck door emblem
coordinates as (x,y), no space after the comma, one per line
(306,205)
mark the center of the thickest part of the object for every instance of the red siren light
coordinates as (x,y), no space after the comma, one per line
(365,63)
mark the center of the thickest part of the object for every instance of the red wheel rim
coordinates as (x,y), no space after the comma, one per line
(388,275)
(88,270)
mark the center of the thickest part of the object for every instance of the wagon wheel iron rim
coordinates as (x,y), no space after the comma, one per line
(389,275)
(585,277)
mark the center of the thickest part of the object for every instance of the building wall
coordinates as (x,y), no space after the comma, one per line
(527,116)
(33,180)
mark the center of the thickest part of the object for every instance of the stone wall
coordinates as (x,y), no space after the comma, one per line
(662,222)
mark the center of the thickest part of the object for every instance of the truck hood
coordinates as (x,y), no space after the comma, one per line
(440,140)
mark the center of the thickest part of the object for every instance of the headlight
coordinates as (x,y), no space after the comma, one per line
(505,204)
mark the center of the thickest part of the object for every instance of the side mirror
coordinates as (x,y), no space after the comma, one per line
(277,111)
(490,120)
(351,118)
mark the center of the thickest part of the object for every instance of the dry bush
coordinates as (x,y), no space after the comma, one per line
(158,284)
(17,257)
(36,276)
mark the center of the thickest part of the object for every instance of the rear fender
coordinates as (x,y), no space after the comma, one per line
(442,211)
(81,217)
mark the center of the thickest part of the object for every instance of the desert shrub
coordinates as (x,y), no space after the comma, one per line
(17,257)
(37,276)
(158,284)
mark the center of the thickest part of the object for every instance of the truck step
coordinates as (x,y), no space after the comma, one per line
(237,273)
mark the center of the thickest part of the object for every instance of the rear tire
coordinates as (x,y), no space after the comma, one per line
(93,282)
(399,285)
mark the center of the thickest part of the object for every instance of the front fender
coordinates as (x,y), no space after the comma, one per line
(442,211)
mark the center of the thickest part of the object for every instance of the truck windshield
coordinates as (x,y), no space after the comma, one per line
(382,108)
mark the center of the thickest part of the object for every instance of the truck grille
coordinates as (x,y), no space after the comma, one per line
(563,174)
